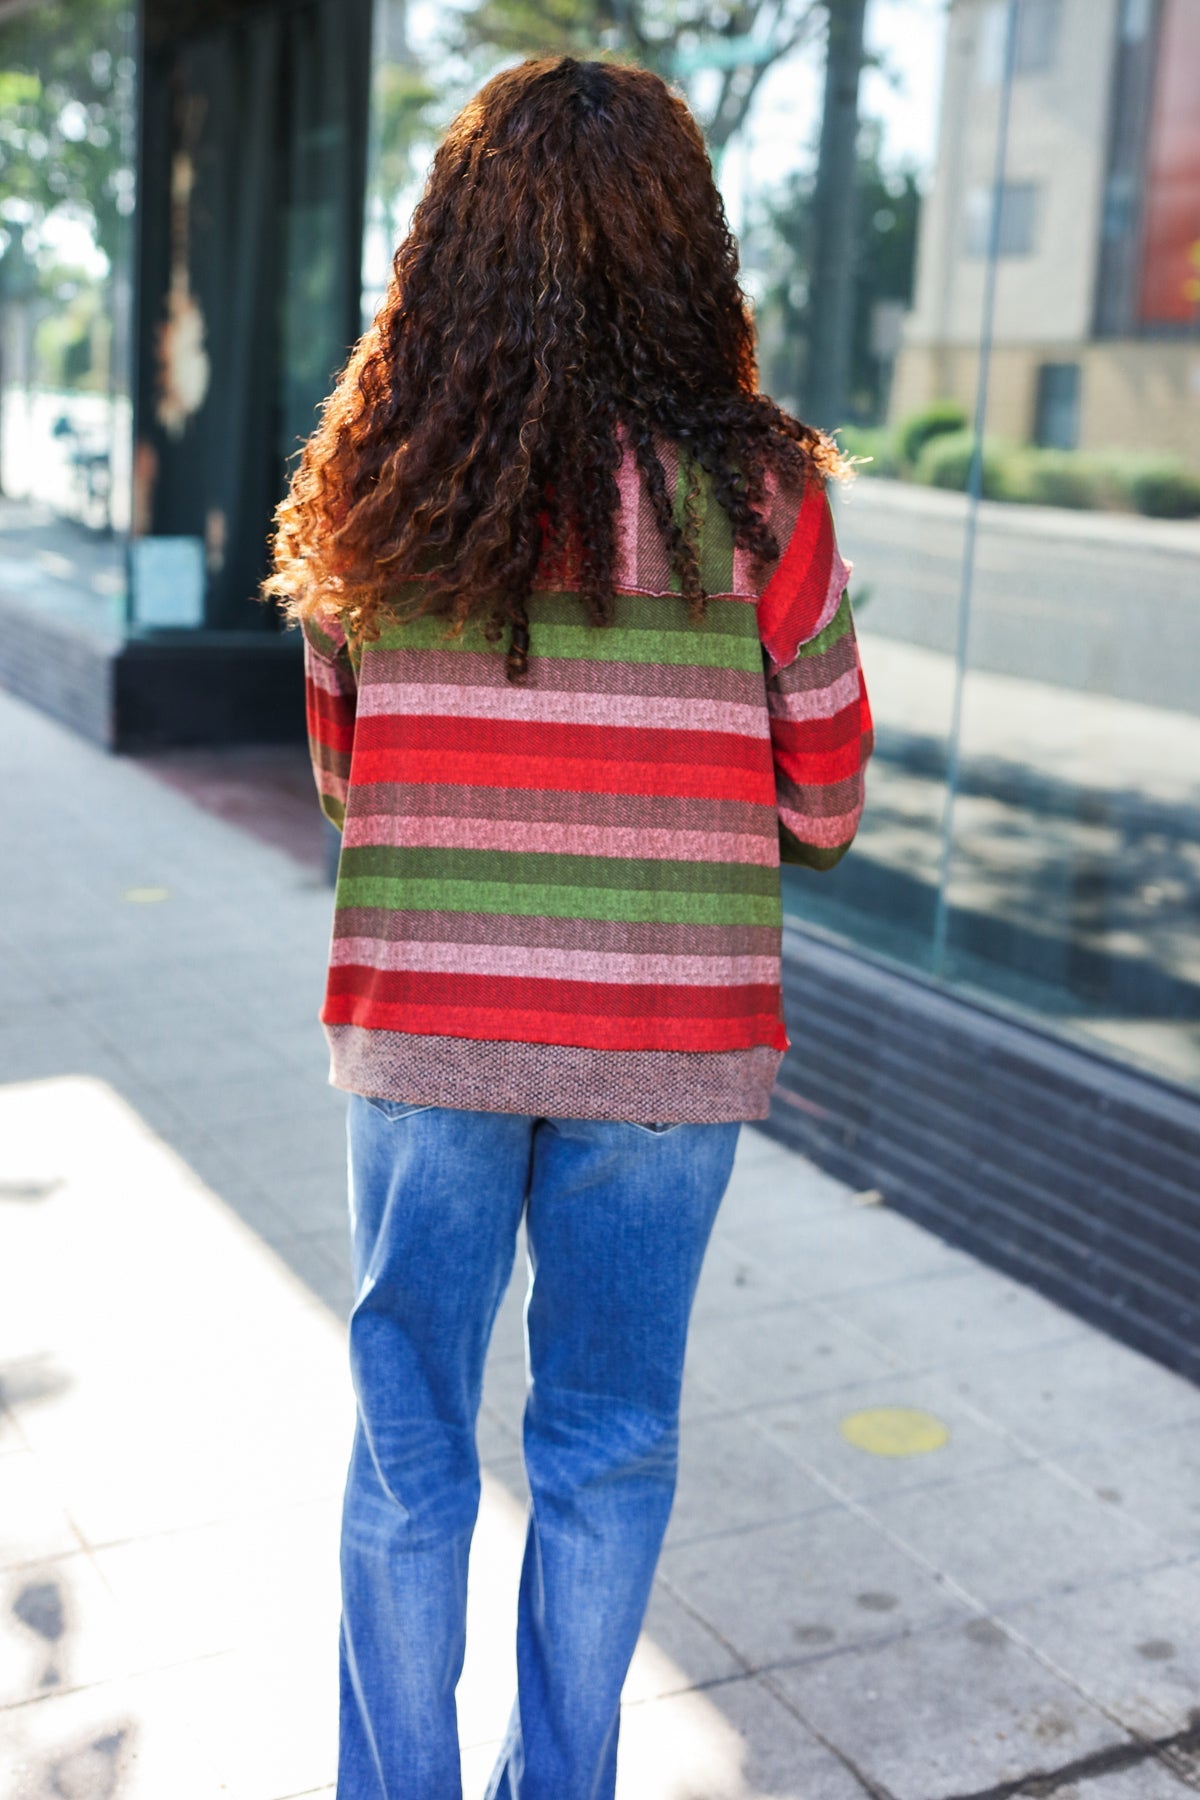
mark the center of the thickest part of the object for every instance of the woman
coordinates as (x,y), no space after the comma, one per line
(580,670)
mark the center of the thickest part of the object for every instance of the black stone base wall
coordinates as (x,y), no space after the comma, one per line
(155,692)
(1063,1168)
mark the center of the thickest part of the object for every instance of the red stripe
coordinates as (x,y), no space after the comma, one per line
(327,722)
(601,1033)
(791,602)
(824,767)
(793,737)
(463,768)
(583,743)
(546,997)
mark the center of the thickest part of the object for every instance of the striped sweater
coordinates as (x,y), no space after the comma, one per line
(561,897)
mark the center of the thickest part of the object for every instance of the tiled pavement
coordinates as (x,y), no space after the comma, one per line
(1008,1604)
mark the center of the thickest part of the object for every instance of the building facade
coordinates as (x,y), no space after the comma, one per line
(1097,326)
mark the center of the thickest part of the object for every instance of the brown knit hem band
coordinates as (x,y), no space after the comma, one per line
(555,1080)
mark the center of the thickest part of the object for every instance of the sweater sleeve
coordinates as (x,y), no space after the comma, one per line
(331,696)
(821,729)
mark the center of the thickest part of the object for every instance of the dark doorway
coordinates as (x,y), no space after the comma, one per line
(251,169)
(1056,424)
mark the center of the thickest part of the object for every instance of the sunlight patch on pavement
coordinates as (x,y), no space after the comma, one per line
(177,1397)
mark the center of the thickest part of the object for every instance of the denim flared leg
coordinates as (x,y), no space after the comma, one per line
(618,1220)
(436,1197)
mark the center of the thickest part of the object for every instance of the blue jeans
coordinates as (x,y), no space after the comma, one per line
(617,1220)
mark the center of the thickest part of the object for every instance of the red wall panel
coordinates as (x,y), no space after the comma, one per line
(1171,213)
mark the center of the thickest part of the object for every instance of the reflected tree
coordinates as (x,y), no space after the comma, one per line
(66,142)
(733,46)
(885,213)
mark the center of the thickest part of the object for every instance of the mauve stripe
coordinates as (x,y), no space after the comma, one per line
(561,806)
(816,703)
(570,675)
(565,965)
(625,523)
(383,924)
(839,577)
(821,802)
(818,670)
(780,507)
(562,839)
(335,762)
(512,704)
(824,833)
(324,675)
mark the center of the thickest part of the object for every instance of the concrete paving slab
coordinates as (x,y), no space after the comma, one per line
(504,1390)
(731,1281)
(809,1431)
(967,1315)
(761,1192)
(736,1741)
(677,1653)
(1083,1390)
(60,1629)
(731,1476)
(127,1429)
(268,1725)
(1144,1780)
(257,1577)
(843,1250)
(136,1739)
(949,1713)
(31,1052)
(1015,1534)
(780,1353)
(321,1260)
(1151,1476)
(777,1592)
(305,1143)
(36,1525)
(1133,1644)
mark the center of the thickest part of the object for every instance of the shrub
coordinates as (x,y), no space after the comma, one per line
(946,463)
(874,442)
(921,428)
(1161,487)
(1056,478)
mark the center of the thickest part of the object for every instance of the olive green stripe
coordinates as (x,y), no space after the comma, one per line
(320,640)
(701,649)
(535,868)
(836,629)
(662,617)
(626,905)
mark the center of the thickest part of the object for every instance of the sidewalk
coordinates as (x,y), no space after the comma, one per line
(934,1540)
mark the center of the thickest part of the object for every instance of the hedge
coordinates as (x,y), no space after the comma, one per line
(1158,486)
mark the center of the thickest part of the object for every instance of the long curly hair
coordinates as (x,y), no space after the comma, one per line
(568,291)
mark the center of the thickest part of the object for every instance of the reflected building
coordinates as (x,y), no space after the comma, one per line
(1097,334)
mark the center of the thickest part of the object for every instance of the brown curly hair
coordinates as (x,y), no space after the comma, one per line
(569,287)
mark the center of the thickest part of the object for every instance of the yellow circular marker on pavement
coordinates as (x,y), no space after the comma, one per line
(146,896)
(894,1431)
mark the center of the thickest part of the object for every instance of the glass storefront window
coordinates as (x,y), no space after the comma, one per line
(1023,213)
